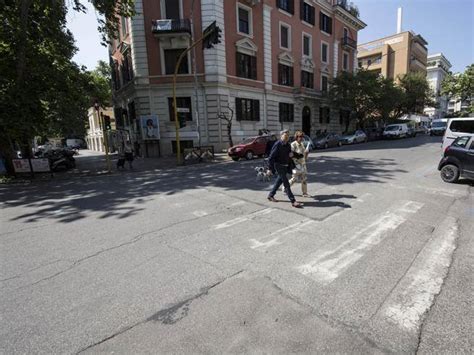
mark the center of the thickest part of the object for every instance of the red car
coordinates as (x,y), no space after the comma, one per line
(249,148)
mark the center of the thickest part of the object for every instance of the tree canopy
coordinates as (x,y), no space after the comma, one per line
(460,85)
(42,91)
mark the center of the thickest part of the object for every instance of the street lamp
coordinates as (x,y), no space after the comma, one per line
(100,116)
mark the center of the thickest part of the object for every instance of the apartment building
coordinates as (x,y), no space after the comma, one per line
(394,55)
(270,71)
(437,68)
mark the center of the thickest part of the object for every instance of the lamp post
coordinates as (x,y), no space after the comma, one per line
(100,116)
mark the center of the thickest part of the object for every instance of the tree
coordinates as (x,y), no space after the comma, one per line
(228,120)
(356,92)
(417,93)
(387,99)
(40,87)
(460,85)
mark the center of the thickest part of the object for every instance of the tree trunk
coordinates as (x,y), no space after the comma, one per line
(229,134)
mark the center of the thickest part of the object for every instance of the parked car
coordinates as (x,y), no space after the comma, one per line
(327,140)
(374,133)
(249,148)
(306,141)
(457,127)
(358,136)
(458,160)
(438,127)
(411,131)
(399,130)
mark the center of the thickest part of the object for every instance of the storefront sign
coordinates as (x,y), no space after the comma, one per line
(40,165)
(21,165)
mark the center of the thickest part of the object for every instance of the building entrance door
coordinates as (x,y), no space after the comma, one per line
(306,121)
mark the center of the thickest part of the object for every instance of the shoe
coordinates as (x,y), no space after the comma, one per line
(296,204)
(305,195)
(272,199)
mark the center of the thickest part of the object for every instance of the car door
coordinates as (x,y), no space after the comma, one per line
(469,159)
(260,145)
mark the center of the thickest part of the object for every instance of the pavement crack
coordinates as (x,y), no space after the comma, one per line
(167,316)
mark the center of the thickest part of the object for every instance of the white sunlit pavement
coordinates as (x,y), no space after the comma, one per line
(197,260)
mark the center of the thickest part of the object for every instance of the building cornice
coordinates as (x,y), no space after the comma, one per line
(346,17)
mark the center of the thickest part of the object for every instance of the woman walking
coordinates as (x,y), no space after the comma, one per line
(300,155)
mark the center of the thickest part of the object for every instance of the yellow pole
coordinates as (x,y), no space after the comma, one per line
(176,68)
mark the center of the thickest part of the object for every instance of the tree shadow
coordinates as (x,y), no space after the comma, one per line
(122,195)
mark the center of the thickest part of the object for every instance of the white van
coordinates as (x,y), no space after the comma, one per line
(396,131)
(456,127)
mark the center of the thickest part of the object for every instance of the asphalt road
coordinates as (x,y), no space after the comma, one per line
(196,260)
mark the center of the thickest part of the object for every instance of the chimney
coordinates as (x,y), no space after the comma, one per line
(399,20)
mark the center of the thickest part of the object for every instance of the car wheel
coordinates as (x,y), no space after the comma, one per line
(249,155)
(450,173)
(235,158)
(326,146)
(339,144)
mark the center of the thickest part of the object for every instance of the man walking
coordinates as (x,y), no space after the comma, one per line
(279,161)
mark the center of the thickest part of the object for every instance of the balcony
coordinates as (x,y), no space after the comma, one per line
(171,27)
(349,42)
(349,7)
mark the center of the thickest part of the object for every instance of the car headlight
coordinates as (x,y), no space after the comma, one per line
(238,149)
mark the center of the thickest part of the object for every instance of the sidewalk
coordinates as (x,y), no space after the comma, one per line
(89,162)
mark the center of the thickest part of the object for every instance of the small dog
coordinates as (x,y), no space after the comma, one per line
(263,174)
(121,163)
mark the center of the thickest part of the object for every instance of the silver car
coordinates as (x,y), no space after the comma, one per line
(358,136)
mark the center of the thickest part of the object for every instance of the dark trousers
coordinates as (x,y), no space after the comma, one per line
(282,179)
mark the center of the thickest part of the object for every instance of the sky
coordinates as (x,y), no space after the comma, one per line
(447,26)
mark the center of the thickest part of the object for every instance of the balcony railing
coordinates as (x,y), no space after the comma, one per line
(171,26)
(349,42)
(349,7)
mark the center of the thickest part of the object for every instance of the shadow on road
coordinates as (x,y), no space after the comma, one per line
(122,196)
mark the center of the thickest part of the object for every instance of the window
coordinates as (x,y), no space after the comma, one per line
(246,66)
(245,20)
(369,61)
(184,144)
(360,64)
(116,75)
(345,61)
(324,83)
(124,23)
(127,68)
(284,36)
(325,23)
(185,111)
(346,33)
(286,5)
(324,115)
(285,75)
(172,9)
(461,142)
(307,79)
(171,57)
(324,52)
(286,112)
(307,45)
(307,12)
(462,126)
(344,116)
(247,109)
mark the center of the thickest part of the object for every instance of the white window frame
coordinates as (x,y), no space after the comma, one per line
(321,82)
(328,54)
(310,55)
(348,60)
(249,10)
(163,9)
(283,24)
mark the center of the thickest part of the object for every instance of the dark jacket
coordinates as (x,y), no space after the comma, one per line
(280,154)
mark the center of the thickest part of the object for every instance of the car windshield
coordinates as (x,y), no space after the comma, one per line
(438,125)
(391,128)
(247,141)
(461,141)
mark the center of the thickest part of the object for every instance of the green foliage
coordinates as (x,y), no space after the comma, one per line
(417,93)
(460,86)
(42,91)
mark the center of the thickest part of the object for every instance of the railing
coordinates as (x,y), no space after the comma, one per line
(349,42)
(171,26)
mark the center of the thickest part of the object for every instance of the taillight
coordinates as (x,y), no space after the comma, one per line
(446,149)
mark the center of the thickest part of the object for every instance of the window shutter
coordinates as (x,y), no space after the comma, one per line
(312,15)
(321,21)
(292,113)
(328,115)
(279,74)
(329,25)
(256,110)
(320,115)
(290,75)
(291,6)
(238,108)
(302,9)
(253,67)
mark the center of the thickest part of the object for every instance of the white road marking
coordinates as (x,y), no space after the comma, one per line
(326,266)
(238,203)
(200,213)
(430,190)
(248,217)
(292,228)
(415,293)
